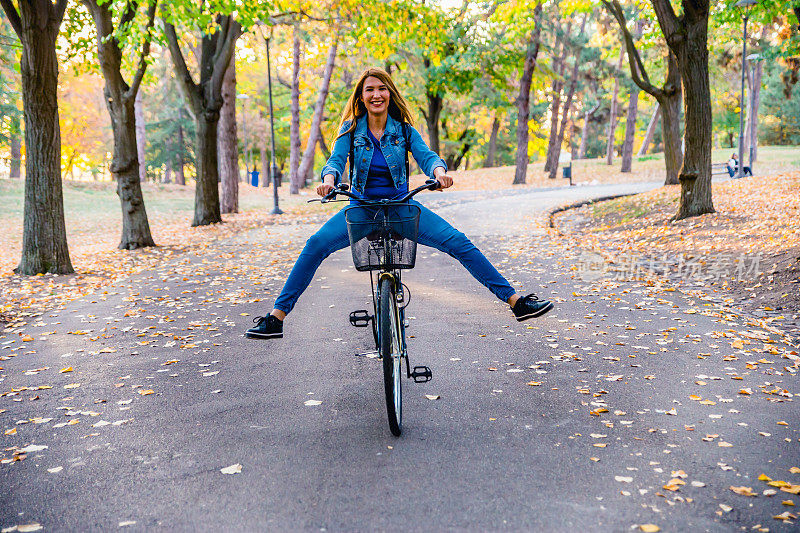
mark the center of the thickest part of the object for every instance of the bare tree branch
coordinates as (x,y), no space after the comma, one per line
(129,13)
(190,89)
(283,81)
(223,58)
(59,9)
(13,16)
(137,78)
(638,72)
(667,20)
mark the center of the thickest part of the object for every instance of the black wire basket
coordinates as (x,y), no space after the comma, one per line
(383,238)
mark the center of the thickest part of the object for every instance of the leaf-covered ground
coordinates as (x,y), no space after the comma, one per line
(747,254)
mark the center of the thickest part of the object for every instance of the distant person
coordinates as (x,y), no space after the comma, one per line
(376,126)
(733,165)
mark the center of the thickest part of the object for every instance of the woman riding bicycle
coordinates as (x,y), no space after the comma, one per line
(376,130)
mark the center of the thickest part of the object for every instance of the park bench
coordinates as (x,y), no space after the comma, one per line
(719,169)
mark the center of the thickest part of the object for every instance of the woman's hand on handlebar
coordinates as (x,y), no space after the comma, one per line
(326,186)
(443,178)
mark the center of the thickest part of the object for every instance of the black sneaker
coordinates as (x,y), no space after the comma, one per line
(530,307)
(267,327)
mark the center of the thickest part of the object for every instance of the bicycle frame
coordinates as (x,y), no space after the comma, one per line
(343,189)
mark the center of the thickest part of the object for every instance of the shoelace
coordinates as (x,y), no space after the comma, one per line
(257,320)
(531,298)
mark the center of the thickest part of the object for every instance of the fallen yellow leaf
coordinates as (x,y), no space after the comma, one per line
(743,491)
(779,484)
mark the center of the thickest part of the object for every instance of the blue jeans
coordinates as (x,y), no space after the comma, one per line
(434,231)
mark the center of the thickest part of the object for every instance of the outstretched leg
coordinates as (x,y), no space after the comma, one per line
(332,236)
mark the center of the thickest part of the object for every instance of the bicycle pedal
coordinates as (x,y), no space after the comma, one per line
(360,318)
(421,374)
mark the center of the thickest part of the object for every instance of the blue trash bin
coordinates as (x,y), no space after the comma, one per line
(254,178)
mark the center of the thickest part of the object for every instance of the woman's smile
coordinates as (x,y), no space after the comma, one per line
(375,95)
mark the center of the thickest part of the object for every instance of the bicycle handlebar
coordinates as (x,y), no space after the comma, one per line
(343,189)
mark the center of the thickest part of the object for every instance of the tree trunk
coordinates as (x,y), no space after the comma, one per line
(435,104)
(573,133)
(651,130)
(553,157)
(584,134)
(491,150)
(227,143)
(751,130)
(612,119)
(556,154)
(630,130)
(141,139)
(262,152)
(306,169)
(671,135)
(127,124)
(180,177)
(16,152)
(523,99)
(125,169)
(295,179)
(687,36)
(168,171)
(555,107)
(669,95)
(206,192)
(44,235)
(322,146)
(555,113)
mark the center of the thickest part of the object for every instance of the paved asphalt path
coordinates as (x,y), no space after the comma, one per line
(492,453)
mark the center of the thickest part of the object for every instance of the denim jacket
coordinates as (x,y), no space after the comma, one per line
(393,146)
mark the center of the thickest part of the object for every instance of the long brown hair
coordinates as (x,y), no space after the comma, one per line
(398,108)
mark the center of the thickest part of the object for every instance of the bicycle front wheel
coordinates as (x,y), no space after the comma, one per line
(389,334)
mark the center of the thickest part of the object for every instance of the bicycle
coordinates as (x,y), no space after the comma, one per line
(383,235)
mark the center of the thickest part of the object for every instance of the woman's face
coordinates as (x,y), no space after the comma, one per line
(375,96)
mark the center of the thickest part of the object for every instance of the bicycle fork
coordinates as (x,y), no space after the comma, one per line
(420,374)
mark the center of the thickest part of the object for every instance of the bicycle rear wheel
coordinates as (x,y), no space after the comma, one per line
(388,333)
